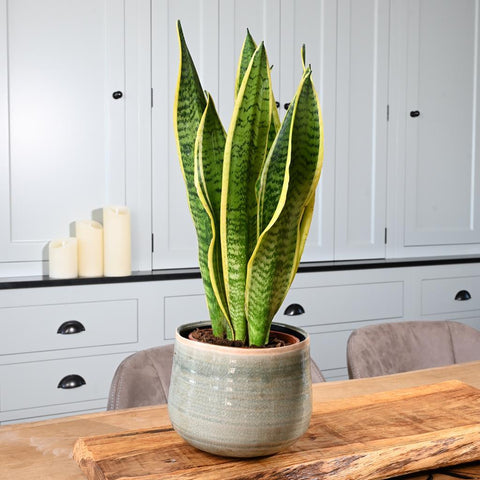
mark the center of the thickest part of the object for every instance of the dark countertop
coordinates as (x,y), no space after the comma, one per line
(186,273)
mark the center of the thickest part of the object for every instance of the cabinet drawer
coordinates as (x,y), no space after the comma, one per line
(342,303)
(39,328)
(35,384)
(329,349)
(183,309)
(449,295)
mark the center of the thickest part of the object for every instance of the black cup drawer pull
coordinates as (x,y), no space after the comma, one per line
(70,327)
(463,295)
(294,309)
(71,381)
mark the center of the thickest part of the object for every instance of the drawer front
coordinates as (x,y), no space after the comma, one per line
(328,350)
(35,384)
(342,304)
(183,309)
(72,325)
(449,295)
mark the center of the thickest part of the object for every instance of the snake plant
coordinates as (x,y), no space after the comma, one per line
(251,190)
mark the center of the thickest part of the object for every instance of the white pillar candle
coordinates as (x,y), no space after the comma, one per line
(89,235)
(117,253)
(63,258)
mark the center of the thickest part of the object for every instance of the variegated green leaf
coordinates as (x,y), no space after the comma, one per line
(248,49)
(305,223)
(209,149)
(274,122)
(275,259)
(244,155)
(271,183)
(189,106)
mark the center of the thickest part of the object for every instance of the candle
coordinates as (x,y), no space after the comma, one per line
(89,235)
(117,254)
(63,258)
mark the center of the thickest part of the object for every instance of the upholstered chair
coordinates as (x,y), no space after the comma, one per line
(388,348)
(143,378)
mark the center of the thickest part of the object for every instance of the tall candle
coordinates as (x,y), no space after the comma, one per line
(63,258)
(89,235)
(117,256)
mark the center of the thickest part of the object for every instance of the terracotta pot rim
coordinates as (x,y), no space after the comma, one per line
(303,337)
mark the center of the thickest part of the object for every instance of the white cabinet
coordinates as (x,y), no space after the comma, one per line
(361,129)
(434,188)
(350,75)
(67,143)
(60,346)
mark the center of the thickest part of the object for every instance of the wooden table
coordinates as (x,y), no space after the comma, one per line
(43,450)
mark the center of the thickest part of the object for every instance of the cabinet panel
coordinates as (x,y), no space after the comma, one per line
(314,24)
(262,18)
(175,240)
(441,186)
(54,327)
(183,309)
(450,295)
(361,129)
(62,153)
(338,304)
(28,385)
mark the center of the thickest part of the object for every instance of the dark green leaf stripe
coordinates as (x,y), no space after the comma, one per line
(244,155)
(209,149)
(189,106)
(248,49)
(274,262)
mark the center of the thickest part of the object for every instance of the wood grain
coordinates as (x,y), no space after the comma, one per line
(370,437)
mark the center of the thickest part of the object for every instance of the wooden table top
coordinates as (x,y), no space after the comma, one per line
(44,449)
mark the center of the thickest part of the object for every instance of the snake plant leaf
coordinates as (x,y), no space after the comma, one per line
(248,49)
(274,122)
(245,151)
(303,54)
(270,185)
(209,148)
(305,223)
(188,110)
(274,262)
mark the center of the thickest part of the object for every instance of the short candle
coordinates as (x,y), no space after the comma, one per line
(63,258)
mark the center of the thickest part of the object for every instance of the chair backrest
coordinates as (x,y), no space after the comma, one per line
(143,379)
(388,348)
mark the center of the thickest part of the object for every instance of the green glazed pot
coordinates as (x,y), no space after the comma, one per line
(240,402)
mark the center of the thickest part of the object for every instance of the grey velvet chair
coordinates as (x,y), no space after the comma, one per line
(389,348)
(143,379)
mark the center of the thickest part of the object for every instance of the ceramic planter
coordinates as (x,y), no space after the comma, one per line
(240,402)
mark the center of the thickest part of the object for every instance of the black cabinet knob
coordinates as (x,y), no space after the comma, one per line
(71,381)
(286,105)
(277,104)
(294,309)
(117,95)
(414,113)
(463,295)
(70,327)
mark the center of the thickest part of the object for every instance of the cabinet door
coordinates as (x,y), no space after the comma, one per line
(361,129)
(262,18)
(441,191)
(314,24)
(62,134)
(215,32)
